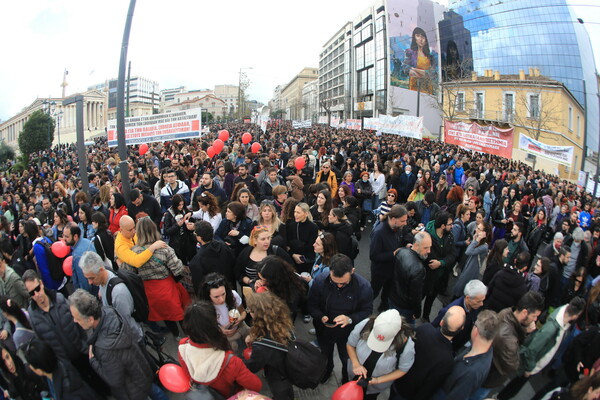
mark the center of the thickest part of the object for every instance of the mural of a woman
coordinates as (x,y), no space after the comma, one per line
(420,63)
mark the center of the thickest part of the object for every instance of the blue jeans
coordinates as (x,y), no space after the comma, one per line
(480,394)
(156,393)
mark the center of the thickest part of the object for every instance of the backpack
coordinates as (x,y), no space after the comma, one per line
(55,264)
(305,365)
(136,287)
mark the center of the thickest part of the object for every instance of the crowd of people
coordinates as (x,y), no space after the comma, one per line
(225,253)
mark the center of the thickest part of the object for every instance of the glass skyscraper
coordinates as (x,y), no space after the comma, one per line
(512,35)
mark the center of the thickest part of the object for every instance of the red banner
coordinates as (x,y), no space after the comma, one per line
(486,139)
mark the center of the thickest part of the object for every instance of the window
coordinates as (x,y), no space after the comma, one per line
(570,118)
(578,126)
(479,104)
(533,106)
(509,107)
(460,101)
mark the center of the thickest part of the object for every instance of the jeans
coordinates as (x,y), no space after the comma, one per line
(327,345)
(381,281)
(156,393)
(480,394)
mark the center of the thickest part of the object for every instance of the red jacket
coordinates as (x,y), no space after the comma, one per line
(205,365)
(113,219)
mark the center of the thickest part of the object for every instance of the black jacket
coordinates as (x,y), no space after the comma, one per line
(242,260)
(343,237)
(149,206)
(57,328)
(505,289)
(384,241)
(300,238)
(215,256)
(68,384)
(118,359)
(244,227)
(354,300)
(407,284)
(272,360)
(215,190)
(181,239)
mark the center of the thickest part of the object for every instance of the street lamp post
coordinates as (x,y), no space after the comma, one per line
(49,108)
(58,118)
(240,100)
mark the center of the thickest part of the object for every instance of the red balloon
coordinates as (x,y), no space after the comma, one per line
(262,289)
(300,162)
(348,391)
(60,249)
(247,353)
(246,138)
(255,147)
(218,145)
(173,378)
(224,135)
(68,266)
(211,151)
(143,149)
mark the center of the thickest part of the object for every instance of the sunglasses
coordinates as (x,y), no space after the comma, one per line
(35,290)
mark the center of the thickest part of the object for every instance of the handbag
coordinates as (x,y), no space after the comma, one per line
(107,262)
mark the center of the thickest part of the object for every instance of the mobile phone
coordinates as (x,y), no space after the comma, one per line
(330,324)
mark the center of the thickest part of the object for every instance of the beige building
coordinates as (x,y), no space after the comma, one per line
(209,103)
(534,105)
(94,119)
(291,94)
(135,110)
(229,94)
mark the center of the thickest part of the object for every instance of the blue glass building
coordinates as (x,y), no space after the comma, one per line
(513,35)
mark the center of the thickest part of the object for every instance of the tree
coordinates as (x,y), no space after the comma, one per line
(537,109)
(207,117)
(277,114)
(326,105)
(6,153)
(37,133)
(451,101)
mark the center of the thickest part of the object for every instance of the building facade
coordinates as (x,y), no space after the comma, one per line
(507,35)
(536,106)
(310,101)
(291,94)
(94,119)
(141,90)
(208,103)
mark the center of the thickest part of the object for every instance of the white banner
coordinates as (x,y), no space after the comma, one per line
(263,123)
(158,127)
(403,125)
(581,178)
(371,124)
(560,154)
(323,119)
(353,124)
(335,122)
(302,124)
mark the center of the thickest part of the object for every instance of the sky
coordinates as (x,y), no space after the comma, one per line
(189,43)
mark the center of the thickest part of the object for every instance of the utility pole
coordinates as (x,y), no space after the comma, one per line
(122,145)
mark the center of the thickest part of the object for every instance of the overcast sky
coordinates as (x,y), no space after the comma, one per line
(192,43)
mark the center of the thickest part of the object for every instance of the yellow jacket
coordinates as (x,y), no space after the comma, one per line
(125,254)
(331,180)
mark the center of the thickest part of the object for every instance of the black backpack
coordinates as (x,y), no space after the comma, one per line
(354,250)
(136,287)
(305,365)
(55,264)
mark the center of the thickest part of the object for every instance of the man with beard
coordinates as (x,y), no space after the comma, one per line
(72,237)
(409,274)
(515,324)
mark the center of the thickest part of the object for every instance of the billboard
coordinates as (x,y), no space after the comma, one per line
(158,127)
(486,139)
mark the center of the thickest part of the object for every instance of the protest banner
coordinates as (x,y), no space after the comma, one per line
(560,154)
(403,125)
(486,139)
(353,124)
(158,127)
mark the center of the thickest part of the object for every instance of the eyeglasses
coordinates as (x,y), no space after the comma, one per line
(391,195)
(35,290)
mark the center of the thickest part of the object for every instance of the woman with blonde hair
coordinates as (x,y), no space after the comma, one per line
(105,195)
(268,216)
(271,323)
(301,234)
(259,248)
(167,298)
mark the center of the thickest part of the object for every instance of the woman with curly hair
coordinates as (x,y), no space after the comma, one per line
(271,323)
(342,193)
(206,357)
(167,298)
(268,217)
(279,277)
(287,211)
(208,210)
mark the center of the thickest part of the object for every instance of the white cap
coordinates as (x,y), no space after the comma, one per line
(37,221)
(386,327)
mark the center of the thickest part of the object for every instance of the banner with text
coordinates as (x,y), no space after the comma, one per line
(353,124)
(158,127)
(335,122)
(403,125)
(560,154)
(371,124)
(486,139)
(302,124)
(322,119)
